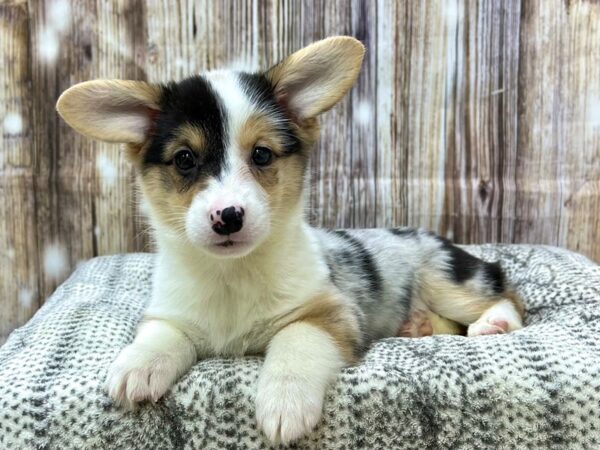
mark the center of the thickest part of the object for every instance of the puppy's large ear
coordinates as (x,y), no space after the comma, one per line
(111,110)
(315,78)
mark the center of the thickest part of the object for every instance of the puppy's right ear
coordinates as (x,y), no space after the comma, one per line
(111,110)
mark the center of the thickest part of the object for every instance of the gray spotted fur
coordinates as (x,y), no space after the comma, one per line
(537,388)
(380,268)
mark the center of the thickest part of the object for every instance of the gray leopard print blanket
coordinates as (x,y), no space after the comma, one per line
(535,388)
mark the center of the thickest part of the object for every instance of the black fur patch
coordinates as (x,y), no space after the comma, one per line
(463,266)
(495,276)
(191,101)
(404,232)
(260,91)
(361,257)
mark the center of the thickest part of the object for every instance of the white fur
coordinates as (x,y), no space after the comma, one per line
(146,369)
(503,311)
(302,360)
(237,104)
(219,301)
(236,186)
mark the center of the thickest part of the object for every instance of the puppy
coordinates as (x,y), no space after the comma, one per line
(222,161)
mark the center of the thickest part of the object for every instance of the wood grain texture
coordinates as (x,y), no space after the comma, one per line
(19,289)
(477,119)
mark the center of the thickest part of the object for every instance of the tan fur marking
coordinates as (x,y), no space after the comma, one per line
(427,323)
(168,205)
(333,315)
(458,302)
(441,325)
(164,187)
(186,135)
(259,130)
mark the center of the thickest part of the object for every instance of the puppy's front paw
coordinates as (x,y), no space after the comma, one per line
(139,374)
(287,408)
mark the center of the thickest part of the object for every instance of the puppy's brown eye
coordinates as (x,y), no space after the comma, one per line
(185,161)
(262,156)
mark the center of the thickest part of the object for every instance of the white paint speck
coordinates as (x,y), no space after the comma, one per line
(364,113)
(97,231)
(106,169)
(59,15)
(243,65)
(452,12)
(11,253)
(12,123)
(113,45)
(144,207)
(48,44)
(593,111)
(25,298)
(56,263)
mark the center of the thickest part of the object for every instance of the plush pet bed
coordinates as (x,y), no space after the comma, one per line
(535,388)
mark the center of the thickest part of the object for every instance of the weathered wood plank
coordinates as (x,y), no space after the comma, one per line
(481,122)
(331,166)
(558,164)
(19,290)
(63,169)
(118,41)
(363,136)
(415,54)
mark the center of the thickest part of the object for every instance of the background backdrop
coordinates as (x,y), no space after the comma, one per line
(477,119)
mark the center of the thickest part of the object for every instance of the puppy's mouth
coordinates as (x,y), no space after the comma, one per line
(230,248)
(227,243)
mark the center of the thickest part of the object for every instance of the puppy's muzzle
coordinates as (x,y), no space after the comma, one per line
(228,221)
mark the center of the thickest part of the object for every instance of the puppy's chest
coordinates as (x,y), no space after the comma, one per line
(240,318)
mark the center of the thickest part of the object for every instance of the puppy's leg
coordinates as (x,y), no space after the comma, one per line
(148,367)
(427,323)
(501,317)
(460,287)
(471,305)
(302,359)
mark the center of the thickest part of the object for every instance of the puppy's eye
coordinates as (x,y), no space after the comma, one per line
(262,156)
(185,161)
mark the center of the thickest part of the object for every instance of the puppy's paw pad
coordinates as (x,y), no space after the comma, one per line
(487,327)
(287,409)
(137,376)
(417,325)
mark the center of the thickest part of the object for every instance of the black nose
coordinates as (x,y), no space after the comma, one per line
(232,219)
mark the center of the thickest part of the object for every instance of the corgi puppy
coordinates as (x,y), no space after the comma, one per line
(222,162)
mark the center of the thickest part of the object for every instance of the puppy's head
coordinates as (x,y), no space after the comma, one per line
(222,156)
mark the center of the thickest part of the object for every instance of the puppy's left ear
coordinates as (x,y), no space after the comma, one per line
(312,80)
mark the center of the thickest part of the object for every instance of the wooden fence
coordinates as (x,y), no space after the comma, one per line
(477,119)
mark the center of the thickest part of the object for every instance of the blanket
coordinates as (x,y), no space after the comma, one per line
(535,388)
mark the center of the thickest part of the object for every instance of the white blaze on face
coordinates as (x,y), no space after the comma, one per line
(235,185)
